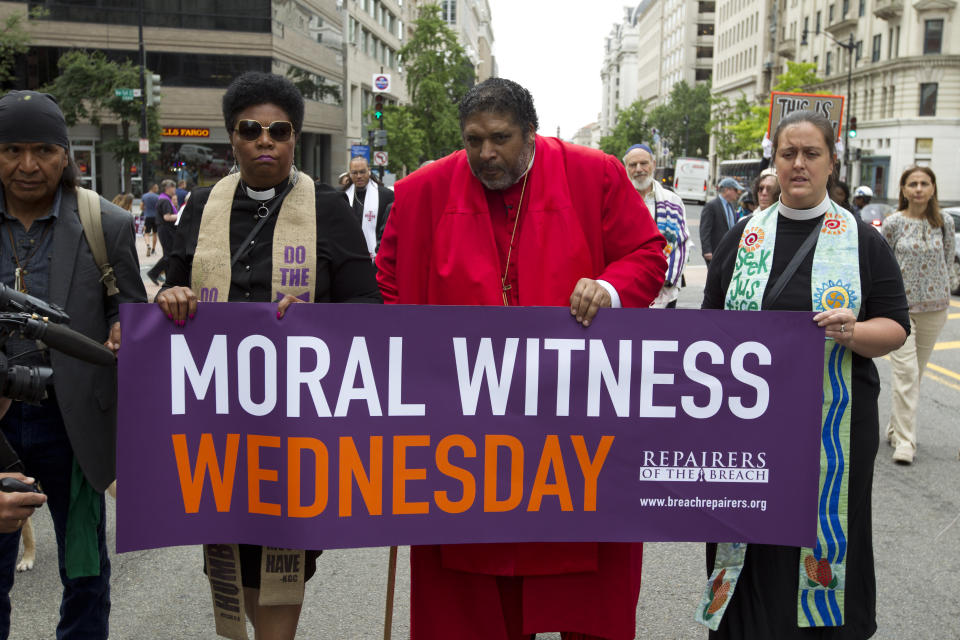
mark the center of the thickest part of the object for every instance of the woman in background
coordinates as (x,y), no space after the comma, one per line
(840,193)
(766,189)
(923,242)
(124,201)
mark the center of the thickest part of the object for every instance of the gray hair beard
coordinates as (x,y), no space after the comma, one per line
(643,184)
(512,174)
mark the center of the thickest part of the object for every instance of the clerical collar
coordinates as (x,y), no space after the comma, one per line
(804,214)
(261,196)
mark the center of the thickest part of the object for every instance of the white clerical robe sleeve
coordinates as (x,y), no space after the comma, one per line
(614,296)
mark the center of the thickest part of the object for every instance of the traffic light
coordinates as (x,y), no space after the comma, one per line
(154,90)
(853,128)
(378,106)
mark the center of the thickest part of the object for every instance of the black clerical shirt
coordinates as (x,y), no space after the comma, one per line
(344,271)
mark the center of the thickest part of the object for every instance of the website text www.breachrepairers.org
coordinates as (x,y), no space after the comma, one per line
(704,503)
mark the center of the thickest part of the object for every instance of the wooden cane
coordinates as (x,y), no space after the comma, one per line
(391,581)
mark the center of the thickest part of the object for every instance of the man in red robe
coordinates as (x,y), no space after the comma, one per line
(517,219)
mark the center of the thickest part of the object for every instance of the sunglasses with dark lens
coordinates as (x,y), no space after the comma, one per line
(279,130)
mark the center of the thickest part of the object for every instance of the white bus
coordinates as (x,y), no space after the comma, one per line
(743,170)
(690,178)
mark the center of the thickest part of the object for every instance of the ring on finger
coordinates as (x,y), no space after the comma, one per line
(843,328)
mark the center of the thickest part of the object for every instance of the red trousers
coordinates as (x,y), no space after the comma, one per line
(448,603)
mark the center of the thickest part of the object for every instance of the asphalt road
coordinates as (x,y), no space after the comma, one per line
(162,594)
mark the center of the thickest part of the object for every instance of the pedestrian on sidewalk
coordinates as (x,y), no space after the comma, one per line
(923,242)
(148,205)
(166,221)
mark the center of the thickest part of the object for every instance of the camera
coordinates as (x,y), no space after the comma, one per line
(26,383)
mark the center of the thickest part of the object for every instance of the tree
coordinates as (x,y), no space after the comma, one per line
(14,40)
(797,77)
(310,86)
(684,119)
(739,128)
(85,90)
(631,128)
(438,75)
(404,138)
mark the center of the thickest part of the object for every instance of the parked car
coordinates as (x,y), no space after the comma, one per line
(874,214)
(954,212)
(196,153)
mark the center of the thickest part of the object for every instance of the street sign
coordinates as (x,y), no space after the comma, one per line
(380,137)
(124,94)
(144,145)
(381,82)
(380,158)
(360,150)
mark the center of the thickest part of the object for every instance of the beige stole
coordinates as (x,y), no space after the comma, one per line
(294,242)
(294,267)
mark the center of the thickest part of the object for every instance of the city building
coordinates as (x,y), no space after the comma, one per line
(588,136)
(657,44)
(471,21)
(649,25)
(197,50)
(745,58)
(904,76)
(687,49)
(620,73)
(374,32)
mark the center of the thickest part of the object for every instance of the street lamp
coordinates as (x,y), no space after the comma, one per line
(849,47)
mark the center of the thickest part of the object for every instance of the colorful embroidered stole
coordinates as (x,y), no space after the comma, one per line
(294,267)
(835,283)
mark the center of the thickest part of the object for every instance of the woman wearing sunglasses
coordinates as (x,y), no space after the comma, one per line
(235,243)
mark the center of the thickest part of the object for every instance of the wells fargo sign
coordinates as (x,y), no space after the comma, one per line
(186,132)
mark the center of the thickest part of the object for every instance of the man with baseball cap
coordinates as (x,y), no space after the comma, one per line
(67,441)
(718,216)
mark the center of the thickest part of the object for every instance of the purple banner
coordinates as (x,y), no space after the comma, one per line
(368,425)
